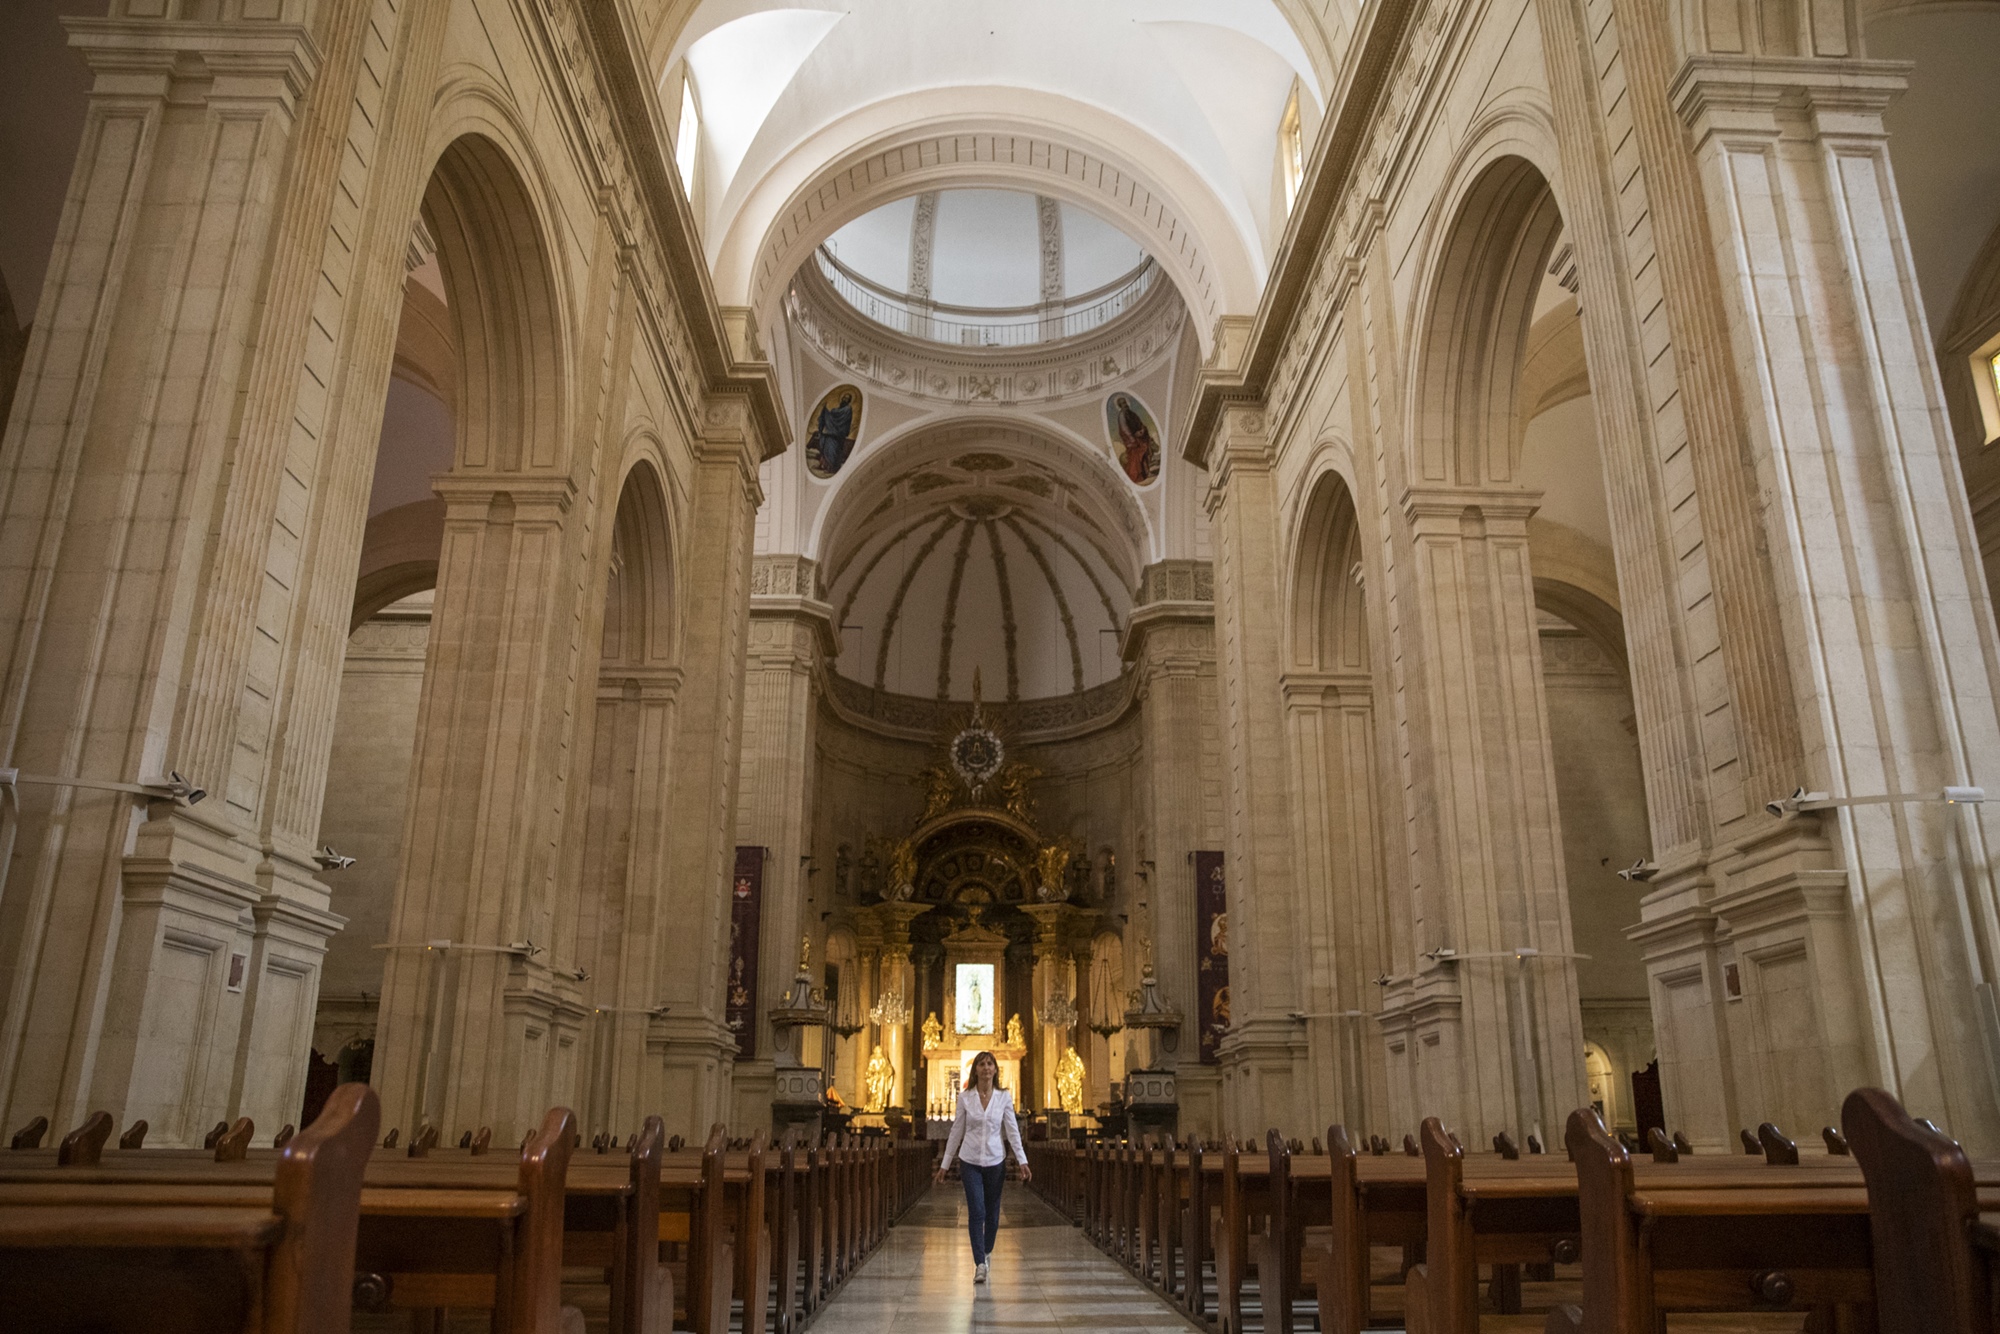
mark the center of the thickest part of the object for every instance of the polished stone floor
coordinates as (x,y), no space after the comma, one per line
(1044,1276)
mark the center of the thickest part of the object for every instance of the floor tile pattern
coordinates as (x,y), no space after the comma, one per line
(1044,1276)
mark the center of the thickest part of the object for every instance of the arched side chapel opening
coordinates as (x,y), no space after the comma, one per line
(612,933)
(1330,712)
(1519,695)
(443,769)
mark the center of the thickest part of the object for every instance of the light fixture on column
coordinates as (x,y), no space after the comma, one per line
(1059,1011)
(171,788)
(891,1010)
(329,860)
(1640,871)
(1802,801)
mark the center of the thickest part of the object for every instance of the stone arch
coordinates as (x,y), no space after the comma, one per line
(640,619)
(1472,327)
(507,314)
(1328,624)
(1173,220)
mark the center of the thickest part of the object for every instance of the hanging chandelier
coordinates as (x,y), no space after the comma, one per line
(891,1010)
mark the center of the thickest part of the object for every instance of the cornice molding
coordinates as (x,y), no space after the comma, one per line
(627,91)
(1043,375)
(1359,98)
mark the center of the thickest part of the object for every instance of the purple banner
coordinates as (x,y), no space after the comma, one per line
(1211,923)
(746,894)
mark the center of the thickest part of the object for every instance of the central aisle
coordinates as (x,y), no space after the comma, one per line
(1044,1276)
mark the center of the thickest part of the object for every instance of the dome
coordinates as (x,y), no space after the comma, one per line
(985,267)
(987,555)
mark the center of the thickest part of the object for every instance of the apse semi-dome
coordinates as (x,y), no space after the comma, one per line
(986,267)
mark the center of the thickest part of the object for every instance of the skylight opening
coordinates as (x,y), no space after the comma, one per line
(687,137)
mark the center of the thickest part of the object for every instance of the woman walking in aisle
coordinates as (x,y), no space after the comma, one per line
(985,1115)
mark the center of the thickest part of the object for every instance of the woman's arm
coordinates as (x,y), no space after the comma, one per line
(957,1138)
(1012,1125)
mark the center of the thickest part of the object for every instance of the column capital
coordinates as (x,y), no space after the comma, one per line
(271,62)
(1746,95)
(1241,442)
(472,495)
(730,435)
(1436,509)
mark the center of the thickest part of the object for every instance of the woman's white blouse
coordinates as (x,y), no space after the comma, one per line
(976,1131)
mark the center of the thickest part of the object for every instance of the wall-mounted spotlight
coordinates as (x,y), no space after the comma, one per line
(329,860)
(181,790)
(1640,871)
(1802,801)
(581,975)
(527,949)
(171,788)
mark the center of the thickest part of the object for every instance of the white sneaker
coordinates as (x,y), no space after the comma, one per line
(979,1272)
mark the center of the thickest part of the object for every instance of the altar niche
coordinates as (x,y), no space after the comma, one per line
(980,1014)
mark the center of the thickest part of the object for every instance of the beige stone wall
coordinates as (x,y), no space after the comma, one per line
(233,250)
(367,793)
(1761,396)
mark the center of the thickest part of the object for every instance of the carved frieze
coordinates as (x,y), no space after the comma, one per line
(931,373)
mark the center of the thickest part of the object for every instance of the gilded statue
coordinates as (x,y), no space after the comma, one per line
(1014,1037)
(881,1080)
(939,789)
(1012,789)
(1052,868)
(933,1031)
(1069,1082)
(902,872)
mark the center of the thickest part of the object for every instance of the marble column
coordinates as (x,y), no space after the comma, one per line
(1864,951)
(1264,1055)
(1490,1022)
(694,1048)
(1170,640)
(469,1034)
(161,961)
(1330,718)
(791,635)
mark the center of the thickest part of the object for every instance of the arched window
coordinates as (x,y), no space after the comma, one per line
(687,135)
(1292,149)
(1986,377)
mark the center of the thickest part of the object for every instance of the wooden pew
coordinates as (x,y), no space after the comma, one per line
(1934,1257)
(1772,1239)
(280,1262)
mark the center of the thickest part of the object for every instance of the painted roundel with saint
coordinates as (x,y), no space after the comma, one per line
(832,428)
(1134,437)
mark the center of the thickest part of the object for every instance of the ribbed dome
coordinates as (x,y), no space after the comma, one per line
(982,560)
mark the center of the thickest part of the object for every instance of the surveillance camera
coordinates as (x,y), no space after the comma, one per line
(1639,871)
(329,860)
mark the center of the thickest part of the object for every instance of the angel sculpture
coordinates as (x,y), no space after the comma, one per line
(939,784)
(902,872)
(1052,867)
(1014,1035)
(933,1031)
(1012,789)
(1069,1081)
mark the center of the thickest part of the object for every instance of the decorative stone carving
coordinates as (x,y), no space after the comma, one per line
(1042,374)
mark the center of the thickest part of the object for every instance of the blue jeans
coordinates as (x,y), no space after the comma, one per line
(982,1204)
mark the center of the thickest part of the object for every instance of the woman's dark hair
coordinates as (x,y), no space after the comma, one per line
(972,1071)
